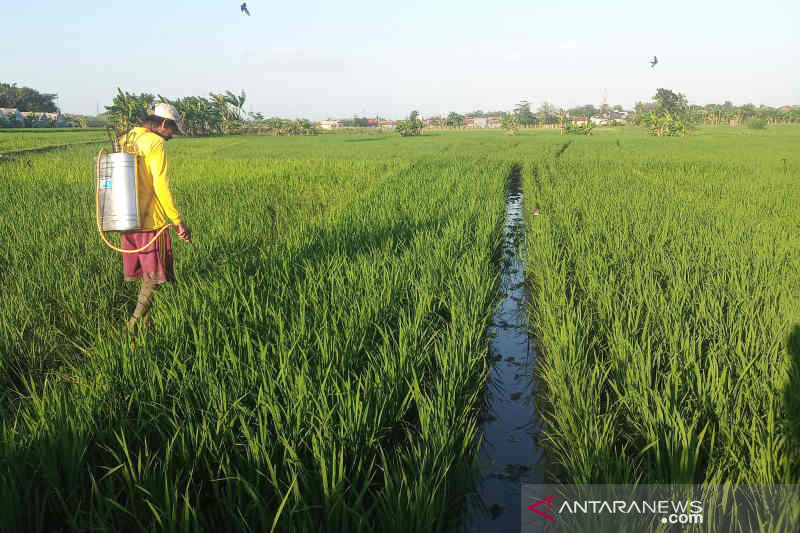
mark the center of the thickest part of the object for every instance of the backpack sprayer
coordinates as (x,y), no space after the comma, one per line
(117,208)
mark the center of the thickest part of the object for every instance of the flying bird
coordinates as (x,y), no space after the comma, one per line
(244,9)
(653,63)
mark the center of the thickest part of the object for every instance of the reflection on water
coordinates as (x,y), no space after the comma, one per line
(509,453)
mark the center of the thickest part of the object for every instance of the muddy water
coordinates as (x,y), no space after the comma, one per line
(509,453)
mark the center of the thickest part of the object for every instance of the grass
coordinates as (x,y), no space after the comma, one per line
(664,281)
(14,139)
(319,364)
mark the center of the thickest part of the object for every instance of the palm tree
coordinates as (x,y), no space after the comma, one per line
(237,102)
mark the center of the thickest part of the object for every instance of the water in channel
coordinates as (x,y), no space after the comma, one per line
(509,452)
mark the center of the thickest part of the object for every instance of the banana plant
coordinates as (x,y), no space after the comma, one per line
(510,123)
(127,109)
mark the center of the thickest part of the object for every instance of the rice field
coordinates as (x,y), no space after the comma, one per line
(665,281)
(15,139)
(320,364)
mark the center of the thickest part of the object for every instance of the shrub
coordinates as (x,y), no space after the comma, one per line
(584,129)
(756,123)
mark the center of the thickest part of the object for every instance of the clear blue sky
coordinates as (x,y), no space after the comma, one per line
(320,60)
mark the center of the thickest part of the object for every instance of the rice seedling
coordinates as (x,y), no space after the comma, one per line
(320,363)
(664,292)
(317,367)
(25,139)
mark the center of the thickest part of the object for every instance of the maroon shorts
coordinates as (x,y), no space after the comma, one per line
(153,263)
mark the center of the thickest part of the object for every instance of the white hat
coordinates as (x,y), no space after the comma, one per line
(168,111)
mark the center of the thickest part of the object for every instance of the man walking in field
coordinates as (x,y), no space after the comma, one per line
(153,266)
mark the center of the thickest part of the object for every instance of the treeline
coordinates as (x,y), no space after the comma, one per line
(669,113)
(26,99)
(667,107)
(219,114)
(522,115)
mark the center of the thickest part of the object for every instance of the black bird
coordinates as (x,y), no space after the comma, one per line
(244,9)
(654,62)
(28,162)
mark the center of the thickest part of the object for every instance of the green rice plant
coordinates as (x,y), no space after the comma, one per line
(321,361)
(663,291)
(27,138)
(316,367)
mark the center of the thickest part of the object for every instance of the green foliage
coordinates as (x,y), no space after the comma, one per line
(673,103)
(219,114)
(756,123)
(587,111)
(279,126)
(668,116)
(510,123)
(129,110)
(523,113)
(26,99)
(316,368)
(667,125)
(454,119)
(320,365)
(356,122)
(410,127)
(21,138)
(665,306)
(582,129)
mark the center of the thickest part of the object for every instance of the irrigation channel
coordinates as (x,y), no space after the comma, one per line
(509,454)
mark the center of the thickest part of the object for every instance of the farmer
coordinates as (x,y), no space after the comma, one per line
(153,266)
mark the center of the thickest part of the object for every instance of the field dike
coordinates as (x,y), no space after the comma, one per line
(5,156)
(509,453)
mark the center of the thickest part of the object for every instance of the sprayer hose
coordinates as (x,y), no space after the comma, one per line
(97,210)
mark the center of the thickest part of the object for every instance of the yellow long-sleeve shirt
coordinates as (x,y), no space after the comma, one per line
(152,186)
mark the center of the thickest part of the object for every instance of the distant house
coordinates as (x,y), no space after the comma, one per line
(494,122)
(330,124)
(388,124)
(372,123)
(40,116)
(599,121)
(469,122)
(579,120)
(12,113)
(480,122)
(37,117)
(620,117)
